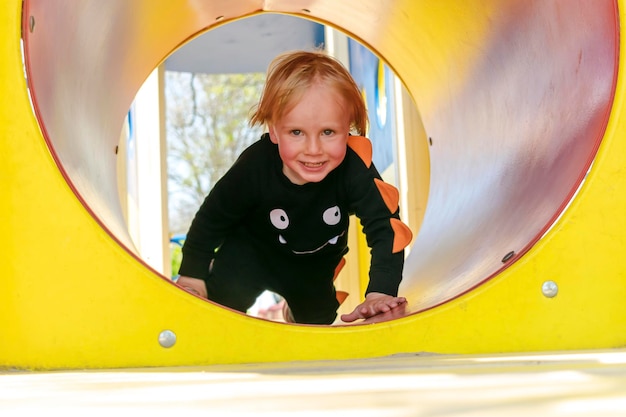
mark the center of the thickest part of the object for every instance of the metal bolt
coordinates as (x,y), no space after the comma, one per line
(508,257)
(167,338)
(550,289)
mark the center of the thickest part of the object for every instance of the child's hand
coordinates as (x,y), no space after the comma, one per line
(375,303)
(193,285)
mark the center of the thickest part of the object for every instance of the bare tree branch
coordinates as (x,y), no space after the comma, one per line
(207,129)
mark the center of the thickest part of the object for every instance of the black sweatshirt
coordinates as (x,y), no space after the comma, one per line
(297,228)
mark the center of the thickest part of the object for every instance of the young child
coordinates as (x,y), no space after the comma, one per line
(278,219)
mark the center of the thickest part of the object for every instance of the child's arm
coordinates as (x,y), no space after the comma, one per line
(376,204)
(375,303)
(222,212)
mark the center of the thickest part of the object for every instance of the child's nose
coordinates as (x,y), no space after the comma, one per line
(313,145)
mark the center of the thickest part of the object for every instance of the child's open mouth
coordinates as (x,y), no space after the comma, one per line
(312,164)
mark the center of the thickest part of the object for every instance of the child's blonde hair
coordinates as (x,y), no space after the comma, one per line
(292,73)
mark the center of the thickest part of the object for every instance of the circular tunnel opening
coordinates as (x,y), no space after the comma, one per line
(513,96)
(200,151)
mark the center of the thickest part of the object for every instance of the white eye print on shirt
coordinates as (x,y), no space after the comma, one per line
(279,219)
(332,216)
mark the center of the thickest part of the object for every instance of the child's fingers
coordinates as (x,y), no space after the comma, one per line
(385,306)
(372,308)
(362,311)
(349,318)
(191,290)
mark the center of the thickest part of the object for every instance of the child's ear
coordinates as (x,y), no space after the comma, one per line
(273,136)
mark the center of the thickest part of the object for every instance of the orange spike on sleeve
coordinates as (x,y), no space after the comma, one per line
(339,267)
(363,147)
(341,296)
(389,193)
(402,235)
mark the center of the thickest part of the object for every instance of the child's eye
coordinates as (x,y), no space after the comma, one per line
(296,132)
(328,132)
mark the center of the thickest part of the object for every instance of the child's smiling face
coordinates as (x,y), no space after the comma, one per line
(312,135)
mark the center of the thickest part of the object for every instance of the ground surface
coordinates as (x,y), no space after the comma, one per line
(585,383)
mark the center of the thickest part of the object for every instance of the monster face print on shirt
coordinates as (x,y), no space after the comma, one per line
(309,232)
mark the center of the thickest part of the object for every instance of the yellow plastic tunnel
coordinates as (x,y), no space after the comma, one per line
(522,241)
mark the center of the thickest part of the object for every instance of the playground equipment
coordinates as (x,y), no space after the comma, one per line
(518,99)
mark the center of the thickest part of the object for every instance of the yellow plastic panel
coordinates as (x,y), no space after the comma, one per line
(73,297)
